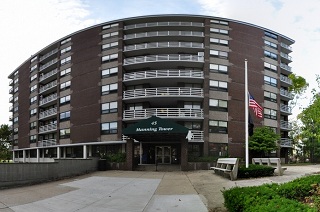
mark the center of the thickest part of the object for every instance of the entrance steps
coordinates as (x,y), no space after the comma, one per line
(160,167)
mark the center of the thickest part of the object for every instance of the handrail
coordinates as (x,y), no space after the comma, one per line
(48,127)
(286,142)
(286,93)
(285,67)
(163,33)
(288,57)
(48,54)
(47,75)
(285,79)
(49,142)
(285,125)
(47,113)
(48,99)
(48,86)
(170,57)
(286,46)
(285,108)
(171,44)
(169,23)
(48,64)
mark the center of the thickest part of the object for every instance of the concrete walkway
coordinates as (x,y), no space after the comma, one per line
(134,191)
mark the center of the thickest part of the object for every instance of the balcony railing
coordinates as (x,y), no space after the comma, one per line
(286,46)
(47,113)
(11,82)
(155,58)
(285,79)
(197,136)
(48,86)
(163,92)
(47,128)
(285,56)
(285,108)
(45,143)
(48,64)
(163,74)
(170,23)
(164,112)
(11,99)
(285,67)
(285,125)
(171,44)
(164,33)
(286,93)
(11,91)
(47,75)
(10,108)
(285,142)
(48,99)
(48,54)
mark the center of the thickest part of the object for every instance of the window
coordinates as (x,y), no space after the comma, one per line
(109,107)
(271,35)
(270,67)
(217,53)
(65,116)
(15,120)
(219,22)
(33,138)
(270,81)
(65,60)
(64,133)
(109,128)
(193,125)
(65,41)
(33,100)
(108,35)
(33,68)
(270,44)
(216,126)
(219,31)
(270,114)
(65,50)
(269,96)
(65,100)
(270,55)
(111,88)
(219,41)
(218,85)
(109,45)
(218,104)
(65,85)
(218,68)
(33,88)
(110,26)
(33,77)
(192,105)
(65,72)
(135,106)
(33,125)
(109,72)
(33,112)
(109,58)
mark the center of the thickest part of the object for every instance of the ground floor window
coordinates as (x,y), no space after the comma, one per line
(195,151)
(218,149)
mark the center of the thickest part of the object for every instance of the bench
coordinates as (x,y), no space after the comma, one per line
(227,166)
(274,162)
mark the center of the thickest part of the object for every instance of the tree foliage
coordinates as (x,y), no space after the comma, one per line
(5,134)
(298,88)
(263,140)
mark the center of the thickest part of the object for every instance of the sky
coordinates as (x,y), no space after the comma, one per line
(28,26)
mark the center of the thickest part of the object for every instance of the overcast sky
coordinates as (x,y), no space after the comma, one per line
(29,26)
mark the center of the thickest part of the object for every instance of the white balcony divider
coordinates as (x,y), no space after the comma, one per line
(170,57)
(47,113)
(48,64)
(170,23)
(285,108)
(48,54)
(285,79)
(163,73)
(48,86)
(286,142)
(170,44)
(163,33)
(286,93)
(48,99)
(47,75)
(47,128)
(45,143)
(285,67)
(163,112)
(162,92)
(285,125)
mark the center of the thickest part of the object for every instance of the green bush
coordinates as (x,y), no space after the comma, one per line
(255,171)
(115,157)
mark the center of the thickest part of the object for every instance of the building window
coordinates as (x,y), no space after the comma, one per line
(270,44)
(109,58)
(219,41)
(65,50)
(270,67)
(109,35)
(192,125)
(194,151)
(218,149)
(33,125)
(270,55)
(33,88)
(65,116)
(65,60)
(135,106)
(220,54)
(219,22)
(271,35)
(219,68)
(192,105)
(111,88)
(270,113)
(33,77)
(16,119)
(269,96)
(33,138)
(65,72)
(218,105)
(33,68)
(33,100)
(218,85)
(65,100)
(109,72)
(109,128)
(270,81)
(64,133)
(110,26)
(109,107)
(219,31)
(109,45)
(33,112)
(65,85)
(65,41)
(216,126)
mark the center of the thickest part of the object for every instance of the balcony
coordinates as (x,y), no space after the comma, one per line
(286,57)
(11,91)
(284,93)
(11,82)
(48,86)
(48,99)
(286,142)
(173,113)
(285,80)
(163,45)
(11,99)
(286,48)
(47,75)
(169,23)
(48,128)
(285,125)
(48,113)
(163,33)
(50,63)
(197,136)
(286,67)
(48,54)
(11,109)
(163,92)
(49,142)
(10,118)
(285,109)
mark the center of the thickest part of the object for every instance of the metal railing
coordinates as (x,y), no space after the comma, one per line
(286,93)
(47,128)
(48,64)
(48,99)
(154,58)
(163,92)
(11,82)
(48,54)
(285,67)
(286,46)
(285,108)
(285,79)
(286,142)
(48,86)
(169,23)
(286,56)
(163,33)
(49,142)
(47,75)
(171,44)
(47,113)
(163,112)
(285,125)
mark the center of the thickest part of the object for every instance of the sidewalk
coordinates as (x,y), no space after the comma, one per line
(135,191)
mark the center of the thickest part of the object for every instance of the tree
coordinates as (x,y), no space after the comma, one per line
(5,135)
(263,140)
(298,88)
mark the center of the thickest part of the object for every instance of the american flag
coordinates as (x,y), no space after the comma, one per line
(257,109)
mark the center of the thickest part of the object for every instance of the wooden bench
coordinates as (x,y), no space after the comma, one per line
(274,162)
(227,165)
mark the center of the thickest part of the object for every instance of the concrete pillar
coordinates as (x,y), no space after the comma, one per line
(38,155)
(140,152)
(90,151)
(64,152)
(130,154)
(24,156)
(184,155)
(84,151)
(58,152)
(13,156)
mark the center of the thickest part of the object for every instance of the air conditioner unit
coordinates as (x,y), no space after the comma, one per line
(200,54)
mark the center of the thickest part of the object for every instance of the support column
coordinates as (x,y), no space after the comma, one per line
(58,152)
(130,154)
(64,152)
(184,155)
(23,156)
(13,156)
(140,152)
(84,151)
(90,151)
(38,155)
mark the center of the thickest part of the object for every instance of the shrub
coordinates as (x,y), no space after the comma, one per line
(115,157)
(255,171)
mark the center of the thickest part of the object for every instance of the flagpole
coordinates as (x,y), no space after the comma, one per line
(246,111)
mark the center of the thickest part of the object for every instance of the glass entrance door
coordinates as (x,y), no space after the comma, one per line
(163,154)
